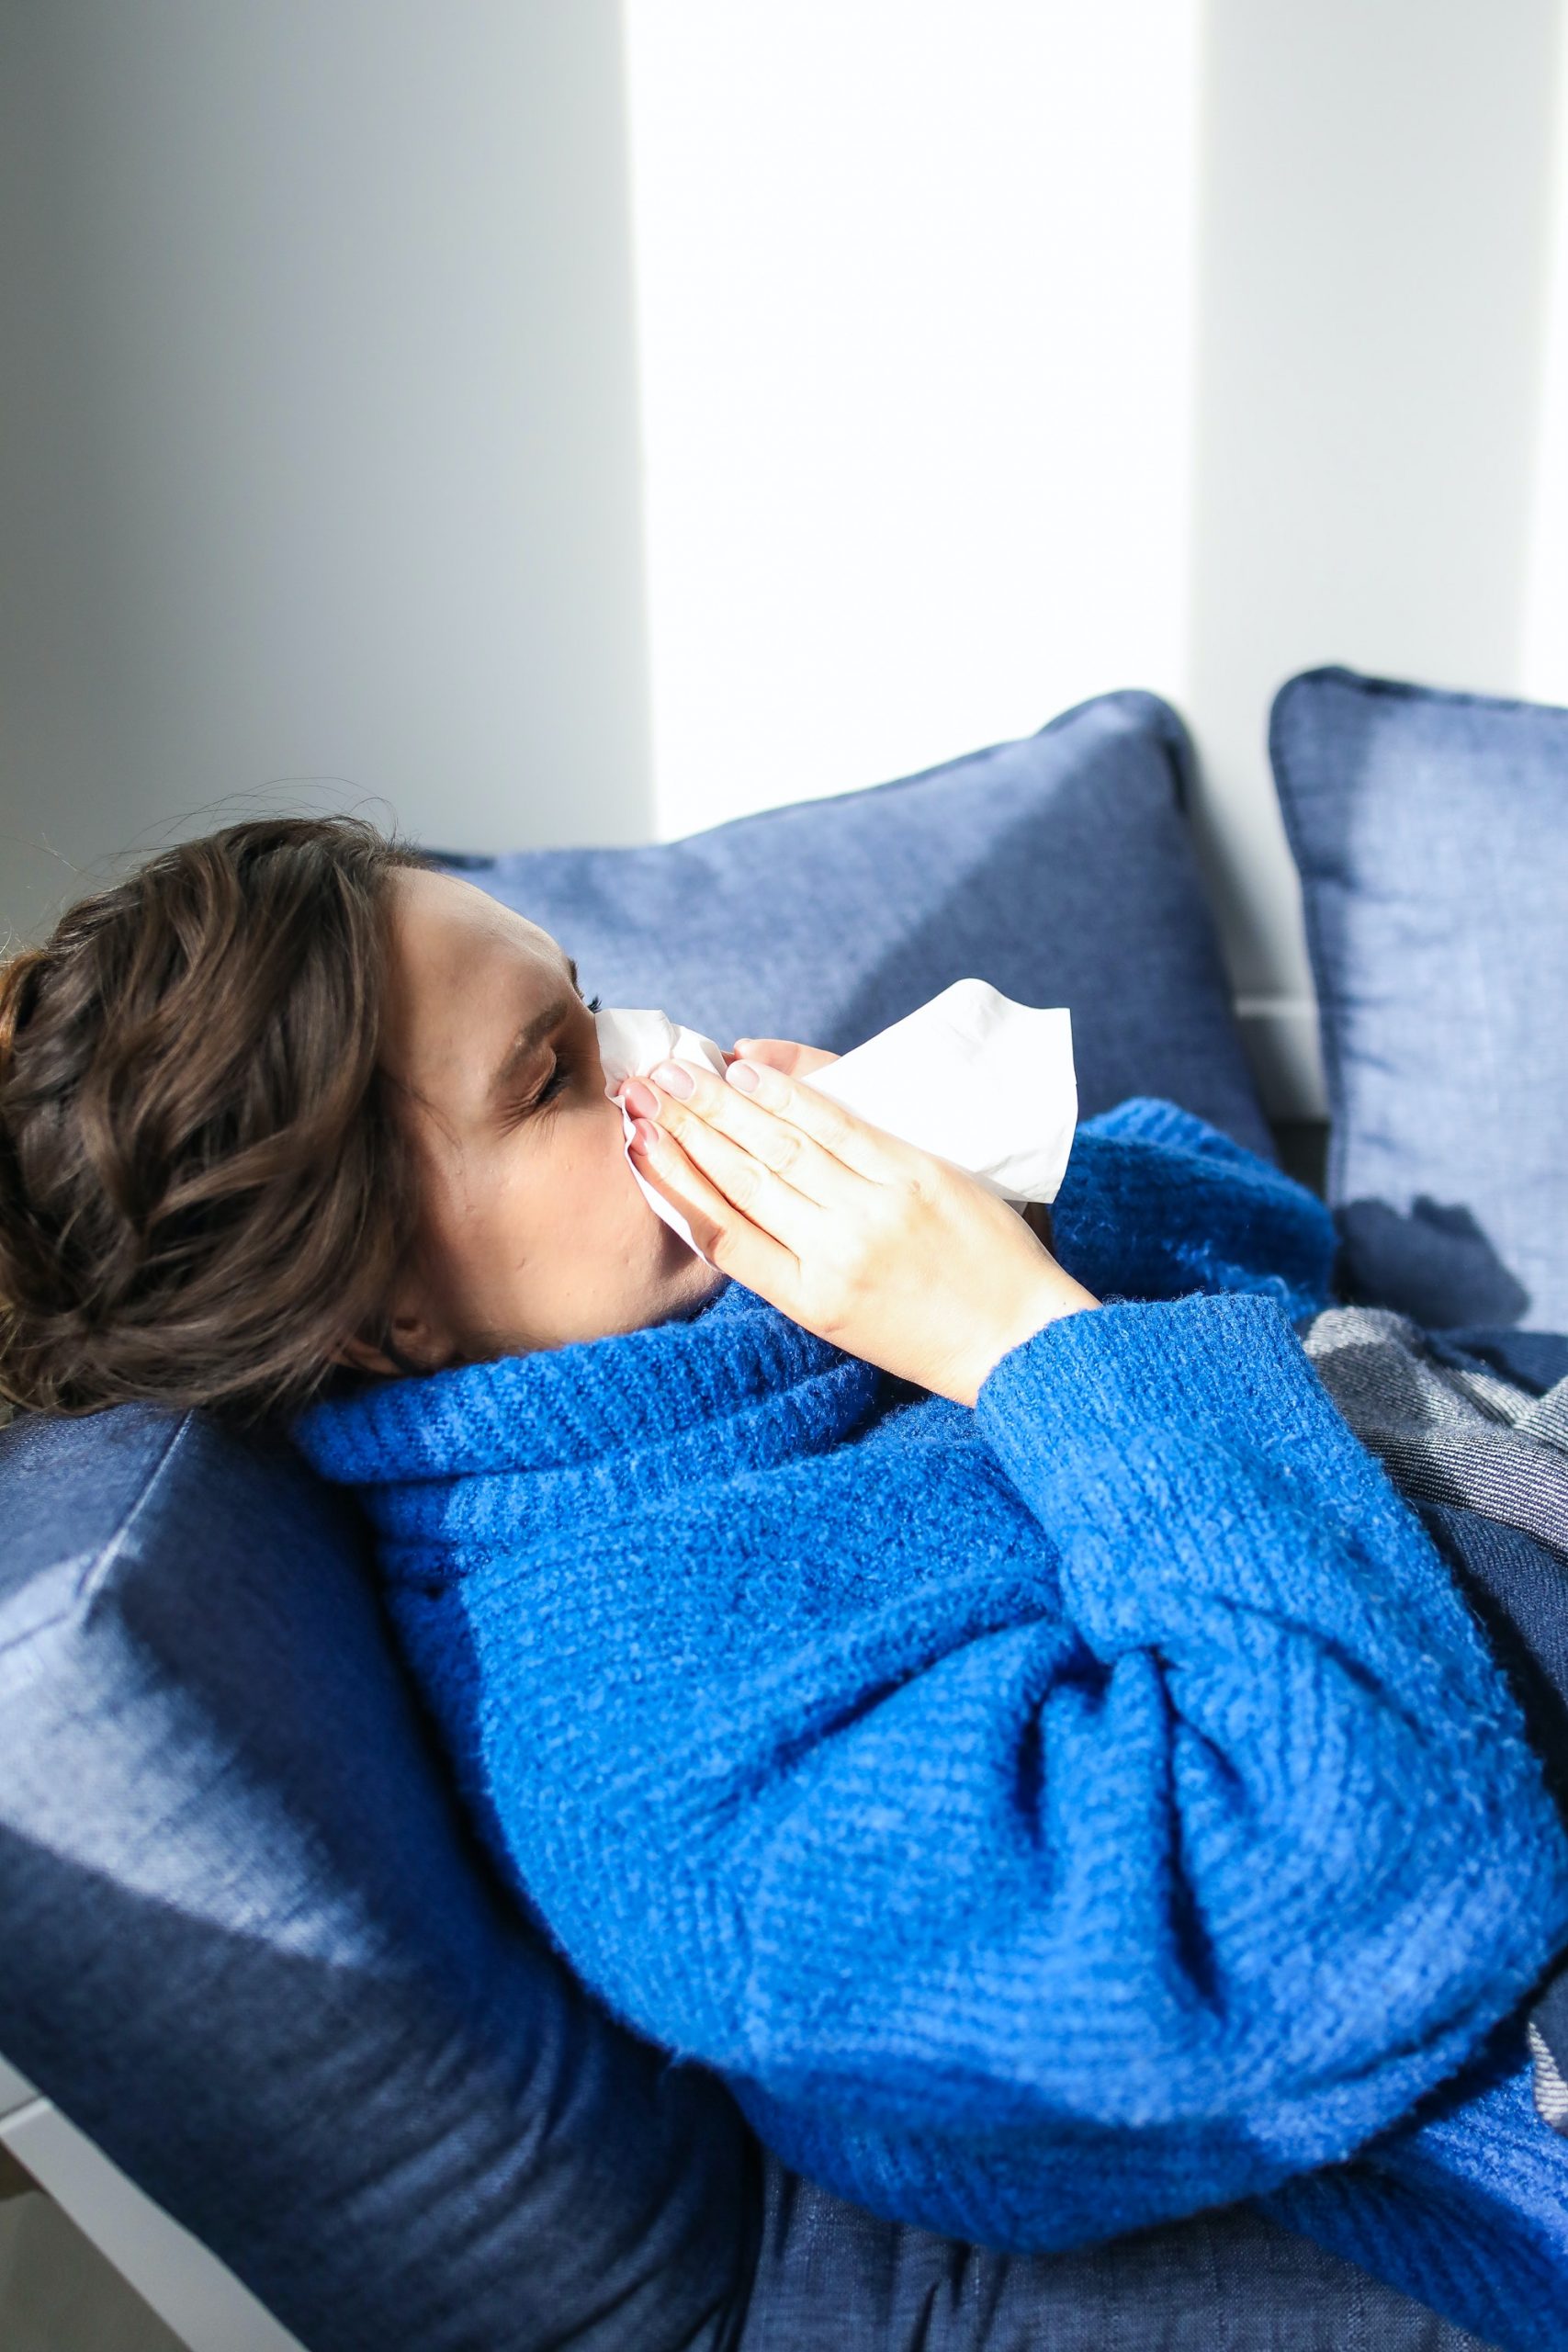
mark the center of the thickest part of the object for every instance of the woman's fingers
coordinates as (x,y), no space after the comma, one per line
(776,1176)
(782,1053)
(778,1164)
(814,1145)
(726,1237)
(840,1134)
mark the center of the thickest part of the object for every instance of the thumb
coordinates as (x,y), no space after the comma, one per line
(783,1054)
(777,1053)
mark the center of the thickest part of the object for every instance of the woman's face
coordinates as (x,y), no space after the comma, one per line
(532,1230)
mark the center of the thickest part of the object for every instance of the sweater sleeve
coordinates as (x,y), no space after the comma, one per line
(1242,1846)
(1156,1203)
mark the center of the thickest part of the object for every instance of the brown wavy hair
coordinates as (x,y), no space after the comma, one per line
(204,1190)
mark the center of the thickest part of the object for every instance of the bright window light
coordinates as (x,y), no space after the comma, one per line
(915,303)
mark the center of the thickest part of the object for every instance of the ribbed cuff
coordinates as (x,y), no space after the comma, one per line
(1229,1364)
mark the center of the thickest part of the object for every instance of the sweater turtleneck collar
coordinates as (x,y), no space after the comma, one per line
(573,1405)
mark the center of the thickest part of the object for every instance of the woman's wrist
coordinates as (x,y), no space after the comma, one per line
(1055,1294)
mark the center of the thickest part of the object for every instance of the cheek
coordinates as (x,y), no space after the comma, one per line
(545,1201)
(599,1185)
(603,1209)
(572,1183)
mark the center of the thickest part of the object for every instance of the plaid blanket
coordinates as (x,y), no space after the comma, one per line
(1458,1434)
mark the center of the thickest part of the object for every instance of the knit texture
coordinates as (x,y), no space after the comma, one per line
(1054,1817)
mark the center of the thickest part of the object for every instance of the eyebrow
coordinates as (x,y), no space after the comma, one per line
(532,1033)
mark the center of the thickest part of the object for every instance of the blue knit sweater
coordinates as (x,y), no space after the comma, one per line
(1053,1817)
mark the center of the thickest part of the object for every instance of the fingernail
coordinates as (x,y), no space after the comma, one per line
(674,1079)
(640,1100)
(744,1075)
(643,1135)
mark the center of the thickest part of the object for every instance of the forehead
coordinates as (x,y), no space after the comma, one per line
(442,925)
(465,972)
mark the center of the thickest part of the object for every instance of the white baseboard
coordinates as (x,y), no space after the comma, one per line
(191,2291)
(15,2089)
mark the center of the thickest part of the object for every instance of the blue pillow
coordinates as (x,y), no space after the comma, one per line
(1059,868)
(1430,831)
(251,1947)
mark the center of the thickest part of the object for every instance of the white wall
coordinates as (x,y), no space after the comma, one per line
(994,356)
(557,440)
(1543,666)
(318,430)
(1376,185)
(916,313)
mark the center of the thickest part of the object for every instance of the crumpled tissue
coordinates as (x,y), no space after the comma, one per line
(970,1076)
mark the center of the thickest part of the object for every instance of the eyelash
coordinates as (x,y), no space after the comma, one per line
(564,1069)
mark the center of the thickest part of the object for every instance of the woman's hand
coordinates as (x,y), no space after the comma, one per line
(782,1054)
(891,1253)
(799,1061)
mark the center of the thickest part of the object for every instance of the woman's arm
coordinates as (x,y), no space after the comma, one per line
(1220,1865)
(1156,1204)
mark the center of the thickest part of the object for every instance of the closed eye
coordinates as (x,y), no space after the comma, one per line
(564,1071)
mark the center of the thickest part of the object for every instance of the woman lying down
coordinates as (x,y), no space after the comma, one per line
(979,1696)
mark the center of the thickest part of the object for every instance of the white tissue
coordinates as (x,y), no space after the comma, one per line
(630,1045)
(973,1077)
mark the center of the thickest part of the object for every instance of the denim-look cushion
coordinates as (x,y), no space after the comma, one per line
(247,1945)
(251,1948)
(1430,831)
(830,2279)
(1059,868)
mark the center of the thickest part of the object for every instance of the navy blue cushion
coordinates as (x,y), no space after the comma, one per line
(249,1947)
(830,2279)
(1059,868)
(1430,831)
